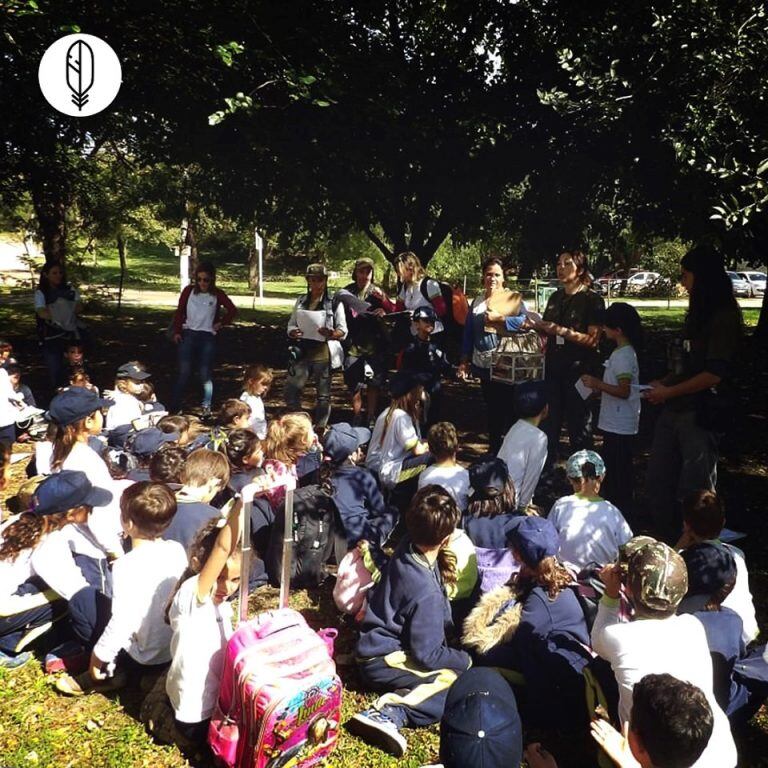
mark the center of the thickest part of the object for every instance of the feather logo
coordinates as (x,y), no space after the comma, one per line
(80,72)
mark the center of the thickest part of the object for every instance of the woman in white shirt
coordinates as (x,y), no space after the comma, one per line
(57,308)
(202,311)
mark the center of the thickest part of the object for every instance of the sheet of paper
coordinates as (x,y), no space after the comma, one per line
(27,412)
(582,389)
(309,322)
(350,301)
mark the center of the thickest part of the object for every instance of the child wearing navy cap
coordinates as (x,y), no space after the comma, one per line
(524,449)
(128,386)
(536,628)
(364,514)
(423,355)
(27,605)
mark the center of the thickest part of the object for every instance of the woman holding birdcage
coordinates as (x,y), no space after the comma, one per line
(495,310)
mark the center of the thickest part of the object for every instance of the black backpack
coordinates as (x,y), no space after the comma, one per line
(318,537)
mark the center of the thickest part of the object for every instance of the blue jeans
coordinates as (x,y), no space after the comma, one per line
(320,374)
(199,347)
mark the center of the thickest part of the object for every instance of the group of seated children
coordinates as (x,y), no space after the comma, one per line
(127,556)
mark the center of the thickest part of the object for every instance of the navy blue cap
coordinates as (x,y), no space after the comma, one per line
(74,404)
(534,539)
(404,381)
(481,726)
(132,371)
(65,490)
(147,441)
(342,440)
(489,472)
(710,567)
(424,313)
(530,398)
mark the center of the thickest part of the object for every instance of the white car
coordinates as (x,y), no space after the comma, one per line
(756,282)
(641,280)
(741,287)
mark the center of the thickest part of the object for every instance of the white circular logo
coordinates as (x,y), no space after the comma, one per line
(80,75)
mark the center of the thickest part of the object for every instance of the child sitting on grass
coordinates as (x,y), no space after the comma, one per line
(443,444)
(166,466)
(657,641)
(591,529)
(361,506)
(205,473)
(200,618)
(128,385)
(142,582)
(288,438)
(524,449)
(402,647)
(256,384)
(670,726)
(233,414)
(245,454)
(703,521)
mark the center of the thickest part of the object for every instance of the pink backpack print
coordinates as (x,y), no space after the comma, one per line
(279,697)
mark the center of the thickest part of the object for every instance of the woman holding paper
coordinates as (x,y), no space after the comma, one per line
(495,309)
(57,310)
(365,364)
(316,327)
(572,323)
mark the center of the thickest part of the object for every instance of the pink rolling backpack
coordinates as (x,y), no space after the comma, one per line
(279,697)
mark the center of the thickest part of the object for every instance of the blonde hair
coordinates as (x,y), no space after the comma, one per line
(203,465)
(256,374)
(287,438)
(412,260)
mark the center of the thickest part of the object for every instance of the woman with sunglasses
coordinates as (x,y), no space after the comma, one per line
(202,311)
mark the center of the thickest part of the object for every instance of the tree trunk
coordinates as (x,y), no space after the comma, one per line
(50,210)
(191,242)
(121,243)
(761,331)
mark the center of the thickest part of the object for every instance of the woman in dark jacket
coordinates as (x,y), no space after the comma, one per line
(202,311)
(571,322)
(696,410)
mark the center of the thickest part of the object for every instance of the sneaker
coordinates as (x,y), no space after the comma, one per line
(68,657)
(84,683)
(14,662)
(378,729)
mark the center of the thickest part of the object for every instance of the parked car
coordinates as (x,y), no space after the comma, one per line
(741,287)
(756,282)
(613,279)
(641,281)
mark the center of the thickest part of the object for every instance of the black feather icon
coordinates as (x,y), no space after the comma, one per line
(80,72)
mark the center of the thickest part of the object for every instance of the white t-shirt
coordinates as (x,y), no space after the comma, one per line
(9,412)
(124,411)
(200,634)
(740,599)
(62,311)
(676,646)
(43,456)
(201,311)
(455,480)
(104,522)
(258,421)
(373,456)
(619,416)
(413,298)
(142,582)
(524,451)
(401,436)
(591,530)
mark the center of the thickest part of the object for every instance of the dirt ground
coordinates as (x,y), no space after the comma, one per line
(743,478)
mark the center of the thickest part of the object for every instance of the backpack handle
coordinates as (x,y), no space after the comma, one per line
(285,570)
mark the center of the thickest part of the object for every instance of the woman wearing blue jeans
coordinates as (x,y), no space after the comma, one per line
(203,309)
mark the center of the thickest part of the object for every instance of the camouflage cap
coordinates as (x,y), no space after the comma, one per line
(317,270)
(576,462)
(364,261)
(657,576)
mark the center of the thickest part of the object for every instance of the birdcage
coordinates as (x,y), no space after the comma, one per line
(518,357)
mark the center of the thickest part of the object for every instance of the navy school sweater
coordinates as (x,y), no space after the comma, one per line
(361,506)
(408,611)
(190,517)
